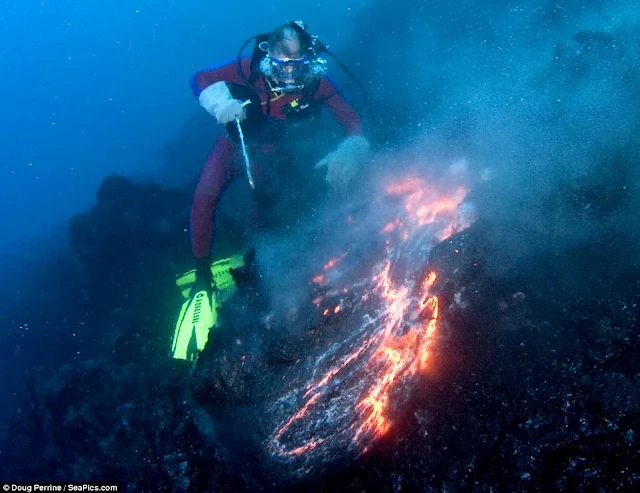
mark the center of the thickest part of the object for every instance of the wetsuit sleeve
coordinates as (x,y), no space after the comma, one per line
(342,111)
(220,170)
(227,72)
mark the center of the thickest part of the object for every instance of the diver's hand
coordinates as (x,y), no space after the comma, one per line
(229,111)
(343,163)
(218,102)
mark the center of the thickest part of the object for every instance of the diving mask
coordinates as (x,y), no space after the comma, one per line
(291,74)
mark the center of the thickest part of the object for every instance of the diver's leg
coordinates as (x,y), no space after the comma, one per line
(221,168)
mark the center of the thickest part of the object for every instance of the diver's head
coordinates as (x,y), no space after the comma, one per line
(290,63)
(285,43)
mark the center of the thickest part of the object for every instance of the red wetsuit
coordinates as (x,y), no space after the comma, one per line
(224,163)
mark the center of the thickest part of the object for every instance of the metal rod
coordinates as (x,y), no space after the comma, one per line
(245,155)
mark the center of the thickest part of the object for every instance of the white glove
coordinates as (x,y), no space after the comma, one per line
(343,163)
(217,100)
(229,111)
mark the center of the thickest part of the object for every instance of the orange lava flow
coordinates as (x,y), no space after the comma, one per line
(397,355)
(406,336)
(393,357)
(424,206)
(401,331)
(312,395)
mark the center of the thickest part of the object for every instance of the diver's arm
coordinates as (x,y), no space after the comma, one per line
(227,72)
(220,170)
(342,111)
(211,87)
(345,161)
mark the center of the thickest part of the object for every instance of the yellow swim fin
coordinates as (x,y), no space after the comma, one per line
(197,316)
(199,313)
(225,284)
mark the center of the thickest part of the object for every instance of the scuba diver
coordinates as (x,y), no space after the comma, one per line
(258,99)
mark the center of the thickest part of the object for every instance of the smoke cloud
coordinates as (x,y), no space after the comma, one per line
(541,98)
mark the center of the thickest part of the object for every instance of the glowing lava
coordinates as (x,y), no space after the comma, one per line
(402,350)
(388,329)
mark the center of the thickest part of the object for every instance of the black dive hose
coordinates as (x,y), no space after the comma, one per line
(244,78)
(351,75)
